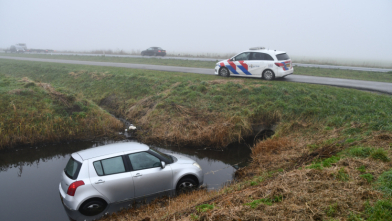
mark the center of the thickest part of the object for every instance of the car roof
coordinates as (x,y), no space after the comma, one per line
(269,51)
(112,149)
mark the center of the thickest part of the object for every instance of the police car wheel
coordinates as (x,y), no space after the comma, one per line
(224,72)
(268,75)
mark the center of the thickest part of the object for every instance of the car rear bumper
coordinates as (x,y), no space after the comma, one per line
(282,73)
(63,197)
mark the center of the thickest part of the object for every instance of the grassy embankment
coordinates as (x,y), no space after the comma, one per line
(34,112)
(324,162)
(320,72)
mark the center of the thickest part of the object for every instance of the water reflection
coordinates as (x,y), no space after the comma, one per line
(29,177)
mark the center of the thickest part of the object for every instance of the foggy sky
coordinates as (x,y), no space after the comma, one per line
(358,29)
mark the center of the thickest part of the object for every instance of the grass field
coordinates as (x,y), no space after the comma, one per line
(328,160)
(335,73)
(207,110)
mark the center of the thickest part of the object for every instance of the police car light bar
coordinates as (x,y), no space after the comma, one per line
(256,48)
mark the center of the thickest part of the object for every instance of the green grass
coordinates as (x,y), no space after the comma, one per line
(321,72)
(384,183)
(368,177)
(242,101)
(204,208)
(332,209)
(381,210)
(342,175)
(320,164)
(363,152)
(362,169)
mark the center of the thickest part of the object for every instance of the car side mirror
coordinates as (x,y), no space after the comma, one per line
(163,164)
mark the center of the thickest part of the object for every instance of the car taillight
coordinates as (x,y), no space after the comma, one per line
(72,188)
(279,64)
(159,51)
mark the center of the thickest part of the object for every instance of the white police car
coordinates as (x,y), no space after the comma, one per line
(256,62)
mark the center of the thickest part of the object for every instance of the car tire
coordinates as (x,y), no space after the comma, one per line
(185,185)
(224,72)
(92,207)
(268,75)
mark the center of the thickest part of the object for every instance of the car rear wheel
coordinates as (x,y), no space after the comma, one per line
(268,75)
(224,72)
(186,185)
(92,207)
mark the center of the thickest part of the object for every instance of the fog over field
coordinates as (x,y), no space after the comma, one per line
(322,29)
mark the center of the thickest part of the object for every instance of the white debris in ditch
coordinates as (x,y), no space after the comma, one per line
(132,127)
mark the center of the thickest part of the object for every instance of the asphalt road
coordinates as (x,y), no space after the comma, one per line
(356,84)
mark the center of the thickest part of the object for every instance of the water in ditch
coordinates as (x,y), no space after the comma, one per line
(29,177)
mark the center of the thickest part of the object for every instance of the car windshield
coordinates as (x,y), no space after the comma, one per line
(72,168)
(168,157)
(159,48)
(282,57)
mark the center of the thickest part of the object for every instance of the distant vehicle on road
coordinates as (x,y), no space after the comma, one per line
(17,48)
(22,48)
(256,62)
(154,51)
(95,177)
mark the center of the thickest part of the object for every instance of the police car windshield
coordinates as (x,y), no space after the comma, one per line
(282,57)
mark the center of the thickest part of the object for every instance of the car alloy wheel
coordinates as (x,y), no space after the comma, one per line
(92,207)
(268,75)
(186,185)
(224,72)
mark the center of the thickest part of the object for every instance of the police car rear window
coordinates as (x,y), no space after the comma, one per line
(282,57)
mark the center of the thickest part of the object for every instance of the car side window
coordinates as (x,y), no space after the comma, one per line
(109,166)
(257,56)
(268,57)
(144,160)
(262,57)
(242,57)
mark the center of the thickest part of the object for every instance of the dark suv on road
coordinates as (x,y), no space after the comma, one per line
(154,51)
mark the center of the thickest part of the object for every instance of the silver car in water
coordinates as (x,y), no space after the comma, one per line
(96,177)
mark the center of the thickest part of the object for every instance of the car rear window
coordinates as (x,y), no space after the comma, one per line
(72,168)
(282,57)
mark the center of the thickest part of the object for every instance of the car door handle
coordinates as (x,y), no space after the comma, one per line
(100,181)
(137,175)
